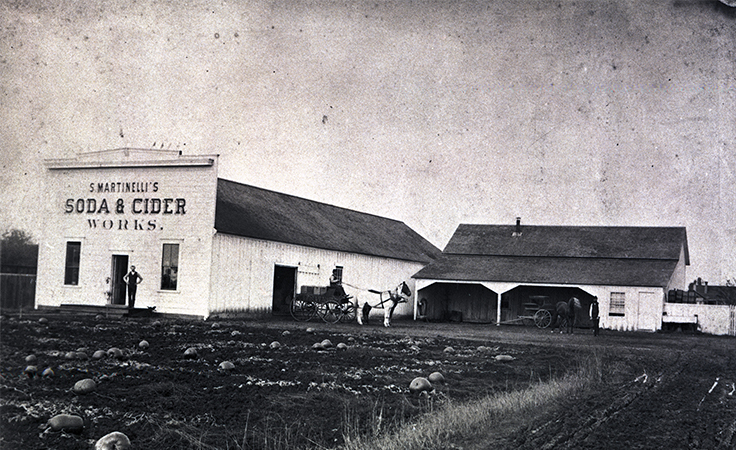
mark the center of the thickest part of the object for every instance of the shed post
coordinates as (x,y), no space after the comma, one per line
(498,309)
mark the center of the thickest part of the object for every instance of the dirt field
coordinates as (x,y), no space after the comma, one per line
(658,390)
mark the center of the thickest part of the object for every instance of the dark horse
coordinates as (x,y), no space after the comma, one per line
(566,313)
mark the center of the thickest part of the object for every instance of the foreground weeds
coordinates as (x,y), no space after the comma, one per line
(497,415)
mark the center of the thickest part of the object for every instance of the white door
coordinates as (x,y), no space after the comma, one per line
(649,311)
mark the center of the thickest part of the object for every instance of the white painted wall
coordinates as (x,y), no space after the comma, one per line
(679,276)
(139,236)
(643,306)
(711,319)
(243,268)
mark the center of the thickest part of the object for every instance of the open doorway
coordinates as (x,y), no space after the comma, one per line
(284,284)
(119,269)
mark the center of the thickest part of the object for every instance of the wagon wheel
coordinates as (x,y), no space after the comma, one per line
(542,318)
(330,311)
(302,310)
(348,312)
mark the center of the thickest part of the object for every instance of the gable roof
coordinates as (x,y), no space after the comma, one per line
(619,256)
(248,211)
(570,241)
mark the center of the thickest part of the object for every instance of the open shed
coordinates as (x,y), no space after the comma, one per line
(495,273)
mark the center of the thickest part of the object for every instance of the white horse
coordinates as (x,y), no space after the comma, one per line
(400,294)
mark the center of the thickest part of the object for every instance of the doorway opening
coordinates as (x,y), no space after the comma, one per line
(284,285)
(117,282)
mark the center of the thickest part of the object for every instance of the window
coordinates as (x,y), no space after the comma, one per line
(618,304)
(338,272)
(170,267)
(71,267)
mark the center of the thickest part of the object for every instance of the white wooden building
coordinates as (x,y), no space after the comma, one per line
(203,245)
(497,273)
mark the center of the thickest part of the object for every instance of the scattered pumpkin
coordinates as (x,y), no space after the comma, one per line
(85,386)
(30,371)
(113,441)
(420,384)
(66,422)
(436,377)
(115,352)
(226,366)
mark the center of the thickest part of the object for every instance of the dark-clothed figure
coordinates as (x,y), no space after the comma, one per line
(336,284)
(595,315)
(132,279)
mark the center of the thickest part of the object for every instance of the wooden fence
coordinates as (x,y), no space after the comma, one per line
(17,292)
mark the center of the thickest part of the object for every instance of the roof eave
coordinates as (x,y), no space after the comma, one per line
(66,164)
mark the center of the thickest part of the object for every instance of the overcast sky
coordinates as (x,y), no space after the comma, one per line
(434,113)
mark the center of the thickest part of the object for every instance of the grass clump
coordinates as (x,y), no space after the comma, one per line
(496,415)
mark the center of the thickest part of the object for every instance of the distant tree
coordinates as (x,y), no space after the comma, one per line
(18,253)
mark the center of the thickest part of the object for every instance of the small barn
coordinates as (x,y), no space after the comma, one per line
(499,273)
(710,309)
(204,245)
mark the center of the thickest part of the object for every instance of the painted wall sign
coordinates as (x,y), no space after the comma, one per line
(121,206)
(124,186)
(136,206)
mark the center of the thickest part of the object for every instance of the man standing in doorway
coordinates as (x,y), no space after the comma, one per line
(595,315)
(132,279)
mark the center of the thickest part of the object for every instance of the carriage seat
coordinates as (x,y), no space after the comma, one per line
(332,294)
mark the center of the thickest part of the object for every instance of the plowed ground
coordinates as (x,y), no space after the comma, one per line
(656,390)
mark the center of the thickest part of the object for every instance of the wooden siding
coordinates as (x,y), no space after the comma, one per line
(17,292)
(243,271)
(712,319)
(466,302)
(643,308)
(142,244)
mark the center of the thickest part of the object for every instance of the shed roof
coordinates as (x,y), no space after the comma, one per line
(570,241)
(619,256)
(522,269)
(257,213)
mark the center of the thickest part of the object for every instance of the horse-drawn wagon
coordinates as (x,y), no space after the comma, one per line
(323,302)
(333,305)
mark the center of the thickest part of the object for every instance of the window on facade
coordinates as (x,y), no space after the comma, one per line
(71,267)
(618,304)
(169,267)
(338,272)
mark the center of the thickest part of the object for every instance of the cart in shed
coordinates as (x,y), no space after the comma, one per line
(538,310)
